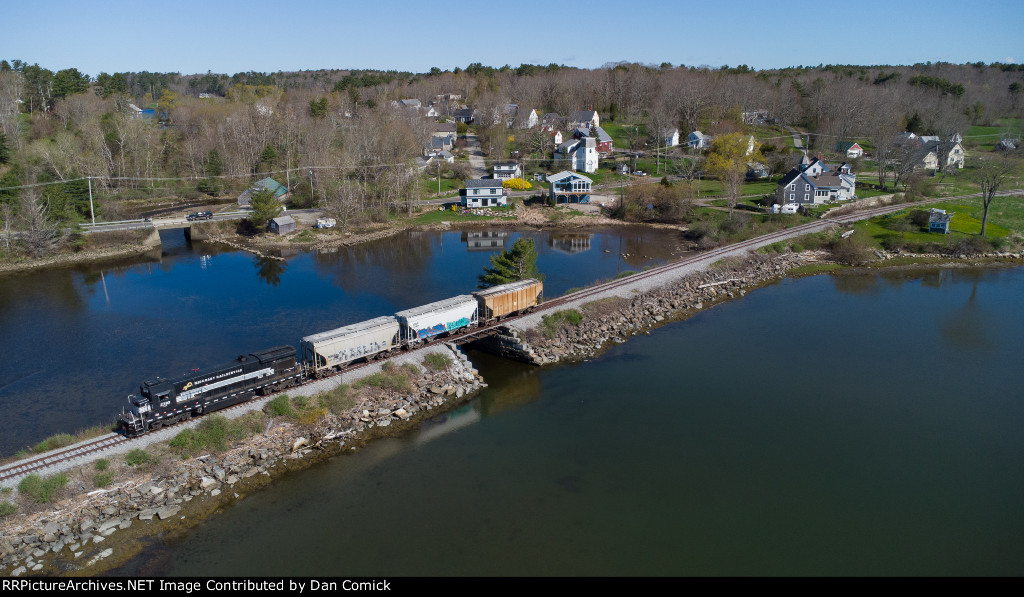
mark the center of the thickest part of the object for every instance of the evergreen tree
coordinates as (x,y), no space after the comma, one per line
(214,165)
(319,108)
(5,149)
(265,207)
(518,262)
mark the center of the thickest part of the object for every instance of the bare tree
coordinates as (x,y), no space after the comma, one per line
(906,158)
(659,124)
(40,235)
(7,211)
(690,168)
(990,174)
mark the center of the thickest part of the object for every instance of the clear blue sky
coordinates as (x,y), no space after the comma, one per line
(191,36)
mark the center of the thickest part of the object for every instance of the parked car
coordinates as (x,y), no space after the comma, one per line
(200,215)
(639,173)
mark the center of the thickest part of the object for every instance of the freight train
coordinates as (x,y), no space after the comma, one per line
(162,402)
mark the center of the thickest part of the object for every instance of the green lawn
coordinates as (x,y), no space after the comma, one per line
(986,137)
(617,131)
(446,215)
(428,185)
(966,223)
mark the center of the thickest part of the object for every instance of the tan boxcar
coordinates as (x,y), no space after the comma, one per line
(504,300)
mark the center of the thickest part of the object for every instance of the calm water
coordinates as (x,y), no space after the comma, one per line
(76,342)
(852,425)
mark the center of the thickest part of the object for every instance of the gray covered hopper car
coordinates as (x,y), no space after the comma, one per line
(423,323)
(337,348)
(501,301)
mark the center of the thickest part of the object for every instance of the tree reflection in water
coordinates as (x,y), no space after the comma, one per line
(270,269)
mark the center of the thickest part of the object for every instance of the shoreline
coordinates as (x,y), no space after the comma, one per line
(97,530)
(195,488)
(148,507)
(74,259)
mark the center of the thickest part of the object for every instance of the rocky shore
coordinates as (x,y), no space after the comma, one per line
(97,530)
(66,259)
(614,319)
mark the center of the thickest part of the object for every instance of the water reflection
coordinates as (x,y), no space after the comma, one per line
(971,327)
(484,240)
(888,462)
(447,423)
(570,243)
(100,328)
(269,269)
(856,284)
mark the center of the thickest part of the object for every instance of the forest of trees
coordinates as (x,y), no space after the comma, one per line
(334,136)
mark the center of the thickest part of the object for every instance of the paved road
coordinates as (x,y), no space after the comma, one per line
(174,221)
(797,140)
(476,156)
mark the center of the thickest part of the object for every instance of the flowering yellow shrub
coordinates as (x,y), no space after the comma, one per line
(517,184)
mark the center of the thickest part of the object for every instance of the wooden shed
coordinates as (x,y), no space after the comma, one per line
(282,225)
(500,301)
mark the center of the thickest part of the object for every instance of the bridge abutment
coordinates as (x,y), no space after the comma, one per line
(507,343)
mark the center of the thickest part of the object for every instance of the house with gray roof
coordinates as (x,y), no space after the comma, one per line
(587,118)
(813,182)
(938,221)
(483,192)
(570,187)
(698,140)
(551,121)
(507,170)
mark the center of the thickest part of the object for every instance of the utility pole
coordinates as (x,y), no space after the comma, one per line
(92,213)
(312,196)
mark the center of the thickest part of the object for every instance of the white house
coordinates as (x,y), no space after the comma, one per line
(851,149)
(482,193)
(951,154)
(507,170)
(670,137)
(530,120)
(581,153)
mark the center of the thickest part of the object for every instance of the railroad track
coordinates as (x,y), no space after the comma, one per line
(87,447)
(84,448)
(24,467)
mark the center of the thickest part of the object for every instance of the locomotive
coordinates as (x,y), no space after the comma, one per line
(162,402)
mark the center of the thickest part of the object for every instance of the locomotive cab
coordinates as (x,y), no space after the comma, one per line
(159,392)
